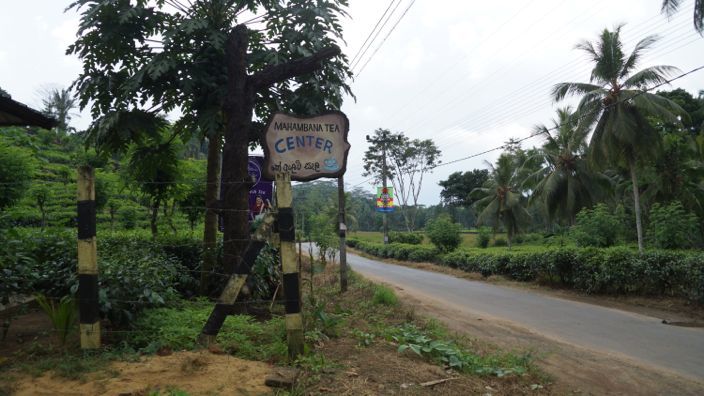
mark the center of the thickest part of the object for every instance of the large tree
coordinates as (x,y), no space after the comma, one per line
(404,162)
(617,103)
(456,189)
(144,57)
(500,200)
(564,184)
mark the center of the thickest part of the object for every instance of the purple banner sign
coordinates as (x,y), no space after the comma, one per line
(260,195)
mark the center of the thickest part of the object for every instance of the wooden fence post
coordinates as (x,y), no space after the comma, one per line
(291,276)
(87,261)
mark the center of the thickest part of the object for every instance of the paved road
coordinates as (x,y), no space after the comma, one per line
(639,337)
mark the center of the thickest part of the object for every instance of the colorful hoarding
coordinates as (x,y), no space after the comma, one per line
(384,199)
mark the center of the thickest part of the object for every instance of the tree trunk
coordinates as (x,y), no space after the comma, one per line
(239,106)
(636,204)
(210,230)
(152,220)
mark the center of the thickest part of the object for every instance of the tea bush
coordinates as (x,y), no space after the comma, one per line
(483,237)
(410,238)
(616,270)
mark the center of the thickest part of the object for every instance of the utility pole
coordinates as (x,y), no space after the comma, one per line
(343,233)
(383,141)
(384,187)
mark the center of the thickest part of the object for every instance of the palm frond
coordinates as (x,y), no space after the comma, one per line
(562,90)
(633,59)
(669,7)
(658,106)
(650,76)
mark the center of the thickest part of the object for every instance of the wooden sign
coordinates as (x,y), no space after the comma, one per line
(307,148)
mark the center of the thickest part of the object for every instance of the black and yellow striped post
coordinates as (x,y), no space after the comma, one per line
(87,261)
(235,283)
(291,277)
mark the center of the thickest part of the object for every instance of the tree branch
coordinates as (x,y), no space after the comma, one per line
(279,73)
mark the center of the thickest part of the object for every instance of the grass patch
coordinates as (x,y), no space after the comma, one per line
(177,328)
(384,340)
(384,295)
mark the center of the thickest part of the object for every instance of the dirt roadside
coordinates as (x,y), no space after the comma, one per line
(576,370)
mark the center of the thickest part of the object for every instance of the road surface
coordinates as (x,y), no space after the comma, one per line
(638,337)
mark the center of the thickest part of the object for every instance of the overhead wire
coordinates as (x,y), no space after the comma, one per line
(519,96)
(556,127)
(372,32)
(386,37)
(388,18)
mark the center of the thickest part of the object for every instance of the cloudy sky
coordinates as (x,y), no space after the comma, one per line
(467,74)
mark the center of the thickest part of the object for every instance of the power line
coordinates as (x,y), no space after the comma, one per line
(457,100)
(387,36)
(372,32)
(388,18)
(532,135)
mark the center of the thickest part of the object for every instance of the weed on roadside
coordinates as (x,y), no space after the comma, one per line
(384,295)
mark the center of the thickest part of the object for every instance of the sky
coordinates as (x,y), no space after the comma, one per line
(468,74)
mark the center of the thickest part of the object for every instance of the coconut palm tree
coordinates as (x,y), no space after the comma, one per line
(669,7)
(616,102)
(59,104)
(500,199)
(564,184)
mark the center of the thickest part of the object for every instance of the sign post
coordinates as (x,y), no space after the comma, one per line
(300,149)
(306,148)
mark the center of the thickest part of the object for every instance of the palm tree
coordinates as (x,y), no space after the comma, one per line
(501,198)
(616,102)
(59,104)
(669,7)
(564,183)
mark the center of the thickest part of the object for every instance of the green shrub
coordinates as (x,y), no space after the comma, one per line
(671,226)
(411,238)
(597,227)
(384,296)
(128,218)
(37,261)
(63,314)
(500,242)
(444,234)
(483,237)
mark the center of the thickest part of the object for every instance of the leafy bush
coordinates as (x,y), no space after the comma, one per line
(398,251)
(596,227)
(671,226)
(410,238)
(616,270)
(128,218)
(483,237)
(409,337)
(37,262)
(384,296)
(444,234)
